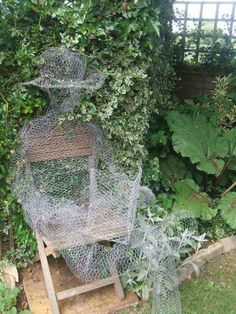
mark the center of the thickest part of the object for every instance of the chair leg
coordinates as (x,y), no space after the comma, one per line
(117,283)
(47,275)
(119,289)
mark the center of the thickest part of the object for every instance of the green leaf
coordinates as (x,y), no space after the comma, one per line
(189,198)
(227,205)
(173,168)
(227,143)
(152,171)
(198,140)
(156,25)
(142,275)
(13,310)
(159,137)
(232,164)
(145,292)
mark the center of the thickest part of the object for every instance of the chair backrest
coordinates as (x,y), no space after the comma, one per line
(60,143)
(67,142)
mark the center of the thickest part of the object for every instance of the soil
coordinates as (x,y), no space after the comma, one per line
(99,301)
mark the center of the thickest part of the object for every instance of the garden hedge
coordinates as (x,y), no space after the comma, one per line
(128,40)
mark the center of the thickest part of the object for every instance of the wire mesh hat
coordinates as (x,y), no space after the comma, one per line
(65,69)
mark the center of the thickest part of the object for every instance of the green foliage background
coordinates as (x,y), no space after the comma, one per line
(128,40)
(191,164)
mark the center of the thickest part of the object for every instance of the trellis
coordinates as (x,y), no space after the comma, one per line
(183,17)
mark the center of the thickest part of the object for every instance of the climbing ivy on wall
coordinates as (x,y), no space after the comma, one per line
(127,40)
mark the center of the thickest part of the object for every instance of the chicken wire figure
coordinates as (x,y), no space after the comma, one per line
(65,179)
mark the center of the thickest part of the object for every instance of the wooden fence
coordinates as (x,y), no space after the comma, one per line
(192,82)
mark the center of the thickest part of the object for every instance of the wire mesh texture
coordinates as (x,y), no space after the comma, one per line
(71,193)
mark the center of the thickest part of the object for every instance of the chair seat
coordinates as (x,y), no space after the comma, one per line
(80,233)
(108,234)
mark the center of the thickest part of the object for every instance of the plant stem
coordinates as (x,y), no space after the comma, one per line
(229,189)
(217,181)
(4,99)
(206,182)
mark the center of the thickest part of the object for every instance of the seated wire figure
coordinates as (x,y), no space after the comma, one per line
(68,184)
(65,179)
(75,200)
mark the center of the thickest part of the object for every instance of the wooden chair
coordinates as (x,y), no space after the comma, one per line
(57,145)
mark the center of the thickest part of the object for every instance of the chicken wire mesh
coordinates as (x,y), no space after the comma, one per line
(64,75)
(71,193)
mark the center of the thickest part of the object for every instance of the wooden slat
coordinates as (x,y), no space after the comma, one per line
(206,2)
(184,31)
(117,285)
(60,143)
(216,22)
(85,288)
(195,19)
(231,22)
(47,275)
(109,234)
(199,32)
(42,155)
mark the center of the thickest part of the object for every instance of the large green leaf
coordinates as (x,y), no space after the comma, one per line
(198,140)
(227,205)
(188,197)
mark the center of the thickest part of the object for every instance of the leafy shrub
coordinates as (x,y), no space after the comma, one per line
(8,300)
(174,228)
(212,152)
(126,40)
(197,159)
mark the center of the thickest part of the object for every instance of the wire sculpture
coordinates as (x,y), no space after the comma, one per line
(71,193)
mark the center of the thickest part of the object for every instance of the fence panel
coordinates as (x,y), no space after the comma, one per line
(200,26)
